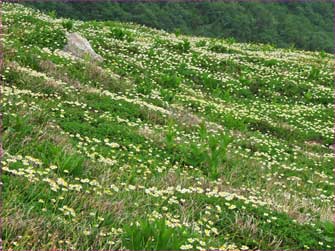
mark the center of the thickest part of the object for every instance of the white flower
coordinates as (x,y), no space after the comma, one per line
(87,232)
(186,247)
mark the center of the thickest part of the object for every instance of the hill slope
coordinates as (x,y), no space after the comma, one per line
(170,143)
(305,24)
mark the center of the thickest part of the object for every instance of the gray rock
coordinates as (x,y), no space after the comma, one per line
(79,47)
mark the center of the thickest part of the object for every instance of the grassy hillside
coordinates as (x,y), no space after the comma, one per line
(305,24)
(171,143)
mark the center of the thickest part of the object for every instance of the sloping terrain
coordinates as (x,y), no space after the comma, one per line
(169,143)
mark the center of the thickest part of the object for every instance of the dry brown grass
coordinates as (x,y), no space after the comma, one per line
(248,224)
(27,228)
(51,132)
(55,72)
(97,74)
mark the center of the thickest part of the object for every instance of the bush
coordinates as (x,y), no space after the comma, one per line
(121,34)
(184,46)
(209,82)
(219,48)
(153,235)
(68,25)
(201,43)
(177,32)
(169,80)
(52,14)
(209,154)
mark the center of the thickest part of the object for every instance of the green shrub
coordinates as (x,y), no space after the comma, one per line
(68,25)
(52,14)
(209,154)
(209,82)
(144,87)
(153,235)
(121,34)
(231,40)
(170,137)
(220,48)
(184,46)
(177,32)
(314,74)
(169,80)
(201,43)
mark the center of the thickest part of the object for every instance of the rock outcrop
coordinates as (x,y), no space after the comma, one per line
(79,47)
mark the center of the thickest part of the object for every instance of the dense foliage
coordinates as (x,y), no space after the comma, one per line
(171,143)
(306,25)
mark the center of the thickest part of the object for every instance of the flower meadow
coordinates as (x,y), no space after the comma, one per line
(171,143)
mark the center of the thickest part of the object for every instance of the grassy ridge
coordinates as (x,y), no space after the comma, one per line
(171,143)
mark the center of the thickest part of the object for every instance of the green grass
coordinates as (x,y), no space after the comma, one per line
(171,143)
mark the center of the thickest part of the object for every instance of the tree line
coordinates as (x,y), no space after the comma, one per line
(302,24)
